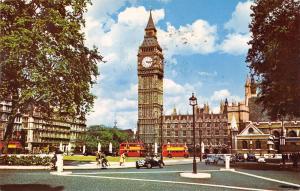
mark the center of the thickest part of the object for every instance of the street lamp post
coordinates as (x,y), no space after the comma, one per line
(200,144)
(193,103)
(281,138)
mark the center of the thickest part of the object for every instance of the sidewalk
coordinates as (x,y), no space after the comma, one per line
(93,165)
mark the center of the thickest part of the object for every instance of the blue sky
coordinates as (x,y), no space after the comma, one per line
(204,43)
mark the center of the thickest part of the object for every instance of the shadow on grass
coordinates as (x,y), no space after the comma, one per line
(29,187)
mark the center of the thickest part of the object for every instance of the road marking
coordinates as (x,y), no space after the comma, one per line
(269,179)
(143,172)
(171,182)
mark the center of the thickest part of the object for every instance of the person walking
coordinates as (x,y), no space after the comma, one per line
(104,161)
(122,159)
(98,158)
(53,162)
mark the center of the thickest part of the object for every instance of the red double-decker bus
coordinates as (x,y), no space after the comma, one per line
(136,149)
(175,150)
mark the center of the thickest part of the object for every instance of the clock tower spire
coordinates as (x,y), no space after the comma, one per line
(150,72)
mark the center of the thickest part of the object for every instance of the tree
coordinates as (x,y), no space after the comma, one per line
(105,135)
(44,62)
(274,56)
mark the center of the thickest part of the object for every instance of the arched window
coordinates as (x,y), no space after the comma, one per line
(250,130)
(258,145)
(245,145)
(292,134)
(276,133)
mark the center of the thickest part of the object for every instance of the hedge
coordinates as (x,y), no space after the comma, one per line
(25,160)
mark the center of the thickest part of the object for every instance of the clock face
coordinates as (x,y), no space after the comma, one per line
(147,62)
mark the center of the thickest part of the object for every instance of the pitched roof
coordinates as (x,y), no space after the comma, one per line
(150,24)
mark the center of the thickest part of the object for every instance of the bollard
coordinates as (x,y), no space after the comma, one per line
(60,166)
(60,163)
(227,162)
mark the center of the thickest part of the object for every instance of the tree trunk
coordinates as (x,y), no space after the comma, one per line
(8,132)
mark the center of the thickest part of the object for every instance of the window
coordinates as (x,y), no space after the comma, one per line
(292,134)
(208,132)
(184,133)
(258,145)
(176,133)
(168,133)
(217,132)
(250,130)
(276,134)
(245,145)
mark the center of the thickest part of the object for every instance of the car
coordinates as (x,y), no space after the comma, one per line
(251,158)
(211,160)
(261,160)
(149,163)
(239,158)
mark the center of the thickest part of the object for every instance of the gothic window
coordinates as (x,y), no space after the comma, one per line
(208,132)
(184,133)
(176,133)
(245,145)
(217,132)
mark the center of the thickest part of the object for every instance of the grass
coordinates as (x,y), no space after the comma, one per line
(93,158)
(109,158)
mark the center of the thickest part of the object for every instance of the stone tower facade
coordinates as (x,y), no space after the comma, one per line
(150,61)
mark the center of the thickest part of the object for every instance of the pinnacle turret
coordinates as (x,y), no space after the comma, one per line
(150,24)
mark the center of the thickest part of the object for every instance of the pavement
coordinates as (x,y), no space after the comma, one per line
(93,165)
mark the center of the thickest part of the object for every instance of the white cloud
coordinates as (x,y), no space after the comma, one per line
(236,41)
(240,18)
(208,74)
(235,44)
(223,94)
(196,38)
(219,95)
(164,1)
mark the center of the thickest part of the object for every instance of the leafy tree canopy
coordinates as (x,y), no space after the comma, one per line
(105,135)
(43,60)
(274,56)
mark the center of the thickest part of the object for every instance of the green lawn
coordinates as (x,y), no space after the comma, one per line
(110,159)
(93,158)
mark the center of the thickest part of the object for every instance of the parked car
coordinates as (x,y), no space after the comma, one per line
(149,163)
(251,158)
(239,158)
(261,160)
(211,160)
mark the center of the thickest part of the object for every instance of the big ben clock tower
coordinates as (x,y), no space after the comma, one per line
(150,85)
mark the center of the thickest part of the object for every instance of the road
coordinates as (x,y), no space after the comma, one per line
(166,179)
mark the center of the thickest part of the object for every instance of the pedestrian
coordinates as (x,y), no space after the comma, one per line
(104,161)
(98,158)
(53,162)
(122,159)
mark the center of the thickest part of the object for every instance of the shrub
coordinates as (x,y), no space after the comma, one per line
(25,160)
